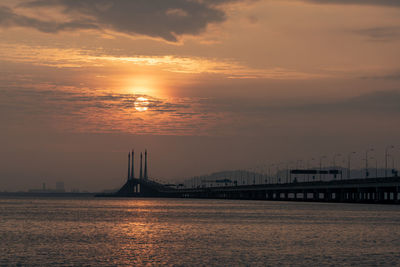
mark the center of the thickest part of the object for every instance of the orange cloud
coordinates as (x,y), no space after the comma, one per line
(70,58)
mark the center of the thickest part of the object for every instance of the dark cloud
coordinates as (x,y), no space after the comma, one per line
(380,100)
(93,112)
(156,18)
(67,103)
(395,76)
(372,103)
(392,3)
(380,34)
(376,102)
(8,19)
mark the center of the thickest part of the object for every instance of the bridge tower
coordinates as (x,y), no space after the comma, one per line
(141,159)
(145,164)
(133,165)
(129,165)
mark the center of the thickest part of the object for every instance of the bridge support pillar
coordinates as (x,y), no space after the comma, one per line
(357,195)
(379,195)
(328,196)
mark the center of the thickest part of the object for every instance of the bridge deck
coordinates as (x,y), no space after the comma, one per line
(376,190)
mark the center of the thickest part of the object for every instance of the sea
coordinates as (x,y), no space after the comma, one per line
(88,231)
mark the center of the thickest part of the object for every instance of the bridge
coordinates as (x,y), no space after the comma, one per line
(361,190)
(374,190)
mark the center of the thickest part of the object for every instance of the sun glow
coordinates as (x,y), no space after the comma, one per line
(143,84)
(142,104)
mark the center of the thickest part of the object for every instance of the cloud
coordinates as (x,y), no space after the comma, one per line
(386,102)
(395,76)
(381,34)
(157,18)
(390,3)
(91,111)
(378,101)
(8,19)
(72,58)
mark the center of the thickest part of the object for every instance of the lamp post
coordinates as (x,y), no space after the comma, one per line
(277,172)
(278,176)
(299,163)
(261,174)
(308,168)
(269,172)
(320,166)
(265,172)
(255,170)
(393,167)
(376,167)
(366,162)
(288,174)
(386,158)
(348,165)
(287,171)
(334,161)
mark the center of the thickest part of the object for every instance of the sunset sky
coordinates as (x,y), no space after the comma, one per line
(204,85)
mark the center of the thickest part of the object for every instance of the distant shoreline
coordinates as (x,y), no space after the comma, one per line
(50,194)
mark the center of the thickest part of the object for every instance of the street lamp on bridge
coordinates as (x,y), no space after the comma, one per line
(393,165)
(348,165)
(376,166)
(386,157)
(269,173)
(278,176)
(366,161)
(320,166)
(308,167)
(299,164)
(334,161)
(288,175)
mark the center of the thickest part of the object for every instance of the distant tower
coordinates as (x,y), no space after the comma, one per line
(129,165)
(141,159)
(133,165)
(145,164)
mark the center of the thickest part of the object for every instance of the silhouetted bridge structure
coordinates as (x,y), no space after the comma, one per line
(373,190)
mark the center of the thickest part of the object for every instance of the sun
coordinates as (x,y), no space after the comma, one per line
(141,104)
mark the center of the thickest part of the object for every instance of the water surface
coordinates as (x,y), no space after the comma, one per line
(192,232)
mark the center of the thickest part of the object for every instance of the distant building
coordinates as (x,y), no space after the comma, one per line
(59,189)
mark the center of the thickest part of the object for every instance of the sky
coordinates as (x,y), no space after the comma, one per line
(203,85)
